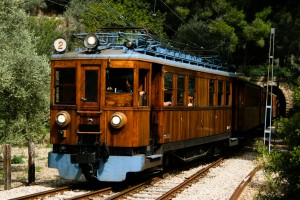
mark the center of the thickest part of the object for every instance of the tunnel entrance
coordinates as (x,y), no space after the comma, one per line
(281,101)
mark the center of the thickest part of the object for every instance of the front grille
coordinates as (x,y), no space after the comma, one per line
(89,139)
(89,128)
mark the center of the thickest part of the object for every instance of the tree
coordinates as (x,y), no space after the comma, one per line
(217,25)
(24,78)
(45,30)
(283,165)
(34,7)
(123,13)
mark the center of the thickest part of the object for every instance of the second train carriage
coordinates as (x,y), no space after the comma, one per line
(117,110)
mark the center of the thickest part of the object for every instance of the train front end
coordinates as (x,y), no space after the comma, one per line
(98,103)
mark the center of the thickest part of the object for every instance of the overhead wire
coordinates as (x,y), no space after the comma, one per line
(190,43)
(211,49)
(115,12)
(56,3)
(181,19)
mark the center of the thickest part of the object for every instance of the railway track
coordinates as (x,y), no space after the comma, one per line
(48,193)
(160,187)
(159,190)
(238,191)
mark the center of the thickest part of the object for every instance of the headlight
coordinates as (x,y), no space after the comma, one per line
(91,41)
(118,120)
(63,118)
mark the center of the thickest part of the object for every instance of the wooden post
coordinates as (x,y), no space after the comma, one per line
(31,163)
(7,166)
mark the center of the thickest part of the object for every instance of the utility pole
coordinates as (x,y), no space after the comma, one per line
(269,96)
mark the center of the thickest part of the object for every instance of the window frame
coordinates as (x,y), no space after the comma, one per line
(57,86)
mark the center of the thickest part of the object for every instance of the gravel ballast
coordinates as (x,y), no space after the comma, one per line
(219,183)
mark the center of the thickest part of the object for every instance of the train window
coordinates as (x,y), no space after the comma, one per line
(180,90)
(211,92)
(220,93)
(143,89)
(91,85)
(119,80)
(65,88)
(168,89)
(192,91)
(227,98)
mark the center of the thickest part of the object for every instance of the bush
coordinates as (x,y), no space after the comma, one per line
(18,159)
(282,166)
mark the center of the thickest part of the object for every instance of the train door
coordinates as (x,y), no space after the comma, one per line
(89,106)
(89,90)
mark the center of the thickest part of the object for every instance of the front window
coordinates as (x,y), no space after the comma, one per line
(65,87)
(91,85)
(119,80)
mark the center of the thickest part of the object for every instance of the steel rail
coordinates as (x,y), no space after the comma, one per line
(132,189)
(88,195)
(52,192)
(171,193)
(243,184)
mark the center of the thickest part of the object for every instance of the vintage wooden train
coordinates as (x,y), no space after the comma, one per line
(127,105)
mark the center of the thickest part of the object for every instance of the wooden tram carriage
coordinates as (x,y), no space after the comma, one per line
(120,110)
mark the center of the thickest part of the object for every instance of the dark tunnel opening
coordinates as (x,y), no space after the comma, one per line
(281,101)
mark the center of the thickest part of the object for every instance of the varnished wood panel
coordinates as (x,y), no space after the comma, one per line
(135,133)
(120,100)
(71,129)
(185,124)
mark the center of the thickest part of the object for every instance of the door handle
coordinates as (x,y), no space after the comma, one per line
(83,98)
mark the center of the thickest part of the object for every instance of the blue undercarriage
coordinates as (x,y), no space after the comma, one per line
(113,170)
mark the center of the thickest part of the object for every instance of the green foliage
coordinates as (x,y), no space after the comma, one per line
(24,78)
(122,13)
(45,30)
(283,166)
(199,31)
(225,32)
(38,168)
(18,159)
(254,71)
(74,15)
(34,7)
(217,23)
(259,28)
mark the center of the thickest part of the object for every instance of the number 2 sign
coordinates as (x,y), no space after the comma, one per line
(60,45)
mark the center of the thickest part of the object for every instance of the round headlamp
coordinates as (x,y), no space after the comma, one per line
(118,120)
(91,41)
(63,118)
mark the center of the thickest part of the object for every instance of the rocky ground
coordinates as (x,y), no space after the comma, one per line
(47,178)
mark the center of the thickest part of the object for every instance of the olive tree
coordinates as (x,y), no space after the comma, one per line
(24,78)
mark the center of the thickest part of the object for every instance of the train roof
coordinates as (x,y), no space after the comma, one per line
(133,55)
(112,45)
